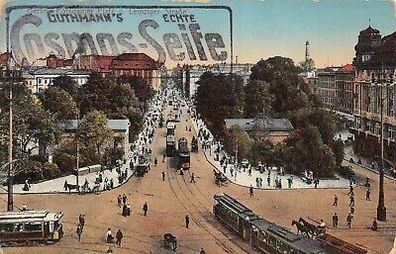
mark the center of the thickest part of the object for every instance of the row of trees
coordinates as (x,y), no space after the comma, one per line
(275,89)
(36,123)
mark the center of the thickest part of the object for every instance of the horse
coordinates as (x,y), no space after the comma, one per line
(72,187)
(312,228)
(301,228)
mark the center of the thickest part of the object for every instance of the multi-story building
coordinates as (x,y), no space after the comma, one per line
(327,87)
(344,88)
(40,79)
(137,64)
(374,86)
(311,79)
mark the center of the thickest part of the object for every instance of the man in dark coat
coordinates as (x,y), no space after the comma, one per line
(145,208)
(119,236)
(187,220)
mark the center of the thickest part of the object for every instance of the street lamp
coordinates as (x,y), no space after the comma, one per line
(382,83)
(10,77)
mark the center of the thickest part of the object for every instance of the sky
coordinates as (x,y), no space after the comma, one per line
(261,28)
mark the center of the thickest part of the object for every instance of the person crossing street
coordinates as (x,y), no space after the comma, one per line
(145,208)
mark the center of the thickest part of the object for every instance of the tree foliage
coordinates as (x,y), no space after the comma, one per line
(60,103)
(93,131)
(258,98)
(219,96)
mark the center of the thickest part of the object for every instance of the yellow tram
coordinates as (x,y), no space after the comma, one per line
(30,227)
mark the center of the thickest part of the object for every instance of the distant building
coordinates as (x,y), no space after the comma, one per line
(274,129)
(344,77)
(327,87)
(119,127)
(311,79)
(39,79)
(137,64)
(375,63)
(96,63)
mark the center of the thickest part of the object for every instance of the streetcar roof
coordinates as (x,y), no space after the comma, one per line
(296,241)
(234,205)
(29,216)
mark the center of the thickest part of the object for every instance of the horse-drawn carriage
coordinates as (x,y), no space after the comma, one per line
(170,241)
(142,166)
(220,179)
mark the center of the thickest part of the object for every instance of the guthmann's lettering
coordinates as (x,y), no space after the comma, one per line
(177,46)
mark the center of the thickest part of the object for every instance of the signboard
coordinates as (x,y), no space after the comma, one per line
(177,34)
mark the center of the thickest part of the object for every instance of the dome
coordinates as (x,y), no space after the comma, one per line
(369,30)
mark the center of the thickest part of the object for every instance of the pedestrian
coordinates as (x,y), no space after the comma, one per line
(109,250)
(65,185)
(124,198)
(79,232)
(192,178)
(187,220)
(335,200)
(350,189)
(352,200)
(335,220)
(269,180)
(374,225)
(119,236)
(155,161)
(81,220)
(24,207)
(109,236)
(368,194)
(349,220)
(145,208)
(163,158)
(251,191)
(202,251)
(163,175)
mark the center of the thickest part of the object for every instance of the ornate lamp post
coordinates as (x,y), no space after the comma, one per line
(382,83)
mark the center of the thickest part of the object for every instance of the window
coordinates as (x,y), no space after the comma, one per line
(6,227)
(33,226)
(39,80)
(366,58)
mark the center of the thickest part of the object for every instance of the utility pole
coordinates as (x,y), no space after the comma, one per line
(77,155)
(10,202)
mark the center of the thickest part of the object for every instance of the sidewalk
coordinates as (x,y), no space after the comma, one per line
(242,178)
(142,142)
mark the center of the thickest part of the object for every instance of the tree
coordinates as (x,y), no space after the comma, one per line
(219,96)
(142,90)
(67,84)
(93,131)
(238,139)
(60,103)
(289,90)
(258,98)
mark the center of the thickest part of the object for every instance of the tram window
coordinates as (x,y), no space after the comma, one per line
(282,247)
(33,227)
(6,227)
(18,227)
(272,240)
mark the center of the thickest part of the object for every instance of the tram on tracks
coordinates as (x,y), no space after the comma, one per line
(170,145)
(30,227)
(170,128)
(270,238)
(194,144)
(184,154)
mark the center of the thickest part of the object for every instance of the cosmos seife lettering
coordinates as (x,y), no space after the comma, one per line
(177,46)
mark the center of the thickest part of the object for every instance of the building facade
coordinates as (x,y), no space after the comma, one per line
(37,80)
(374,89)
(137,64)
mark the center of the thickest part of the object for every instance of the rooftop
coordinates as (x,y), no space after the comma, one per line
(112,124)
(267,124)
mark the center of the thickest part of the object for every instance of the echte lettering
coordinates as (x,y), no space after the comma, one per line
(179,18)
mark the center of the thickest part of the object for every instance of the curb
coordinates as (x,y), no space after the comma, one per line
(72,193)
(271,189)
(370,169)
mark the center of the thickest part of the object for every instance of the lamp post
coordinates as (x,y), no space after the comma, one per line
(381,83)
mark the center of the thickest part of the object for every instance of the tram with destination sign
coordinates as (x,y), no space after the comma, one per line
(270,238)
(184,154)
(30,227)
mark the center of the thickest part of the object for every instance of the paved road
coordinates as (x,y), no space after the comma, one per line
(170,200)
